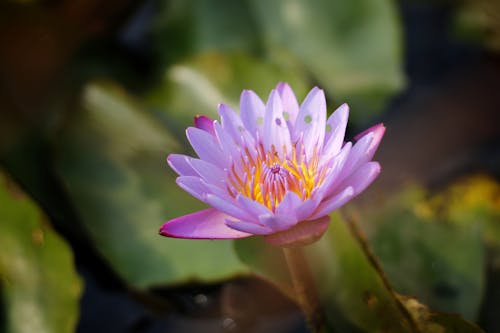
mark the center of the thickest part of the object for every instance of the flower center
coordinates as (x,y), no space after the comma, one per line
(266,177)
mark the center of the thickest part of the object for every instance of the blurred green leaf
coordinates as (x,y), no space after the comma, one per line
(198,85)
(352,289)
(443,265)
(112,158)
(184,28)
(38,283)
(352,48)
(433,248)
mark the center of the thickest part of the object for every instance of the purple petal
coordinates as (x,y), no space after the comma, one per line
(180,164)
(278,222)
(290,104)
(227,207)
(378,132)
(232,124)
(362,177)
(251,206)
(226,143)
(249,227)
(335,168)
(204,123)
(305,210)
(291,201)
(209,172)
(205,224)
(311,121)
(252,111)
(358,155)
(193,185)
(276,131)
(302,233)
(331,204)
(204,145)
(335,130)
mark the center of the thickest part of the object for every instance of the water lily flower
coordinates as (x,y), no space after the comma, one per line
(276,169)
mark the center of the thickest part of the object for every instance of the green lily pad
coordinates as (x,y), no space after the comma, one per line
(183,28)
(433,248)
(39,286)
(111,155)
(352,48)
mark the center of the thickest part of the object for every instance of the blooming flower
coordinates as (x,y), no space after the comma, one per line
(277,169)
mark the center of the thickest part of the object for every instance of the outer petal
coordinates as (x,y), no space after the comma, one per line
(180,164)
(209,172)
(227,207)
(252,111)
(311,121)
(335,130)
(204,123)
(249,227)
(331,204)
(378,132)
(362,177)
(193,185)
(302,233)
(358,155)
(205,224)
(276,131)
(290,104)
(335,168)
(205,146)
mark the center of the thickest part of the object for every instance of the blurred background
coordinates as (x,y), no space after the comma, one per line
(95,94)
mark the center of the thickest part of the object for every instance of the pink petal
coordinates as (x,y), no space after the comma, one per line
(180,164)
(204,145)
(335,130)
(276,131)
(302,233)
(204,123)
(252,111)
(378,132)
(290,104)
(249,227)
(311,121)
(205,224)
(331,204)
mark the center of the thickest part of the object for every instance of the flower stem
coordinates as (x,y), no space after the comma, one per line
(305,288)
